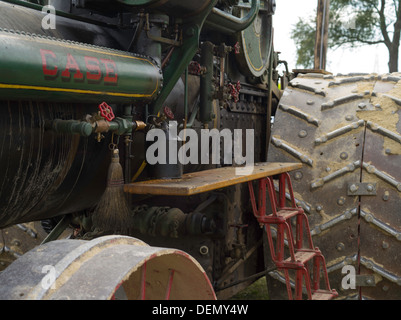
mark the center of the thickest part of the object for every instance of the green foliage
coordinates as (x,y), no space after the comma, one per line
(303,35)
(353,23)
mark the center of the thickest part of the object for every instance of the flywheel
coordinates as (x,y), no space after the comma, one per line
(106,268)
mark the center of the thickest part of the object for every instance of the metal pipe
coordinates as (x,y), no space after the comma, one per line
(227,23)
(186,98)
(322,35)
(206,83)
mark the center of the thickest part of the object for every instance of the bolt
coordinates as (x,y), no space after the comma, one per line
(340,246)
(204,250)
(319,208)
(369,188)
(344,155)
(362,105)
(386,195)
(370,281)
(353,188)
(302,134)
(298,175)
(385,245)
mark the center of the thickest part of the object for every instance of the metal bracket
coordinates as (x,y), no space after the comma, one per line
(361,189)
(365,280)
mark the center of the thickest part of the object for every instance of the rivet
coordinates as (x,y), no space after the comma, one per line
(341,201)
(362,105)
(302,133)
(385,245)
(319,208)
(353,188)
(349,118)
(298,175)
(344,155)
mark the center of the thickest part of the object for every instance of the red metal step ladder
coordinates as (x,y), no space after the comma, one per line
(306,261)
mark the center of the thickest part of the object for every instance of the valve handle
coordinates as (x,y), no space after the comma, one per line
(169,114)
(106,111)
(234,90)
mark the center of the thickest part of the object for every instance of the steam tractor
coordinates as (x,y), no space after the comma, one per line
(98,96)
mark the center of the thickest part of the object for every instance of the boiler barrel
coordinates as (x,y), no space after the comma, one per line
(177,8)
(36,67)
(51,74)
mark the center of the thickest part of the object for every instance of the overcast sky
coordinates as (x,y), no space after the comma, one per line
(365,59)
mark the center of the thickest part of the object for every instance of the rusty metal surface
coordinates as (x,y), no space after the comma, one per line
(79,269)
(208,180)
(346,130)
(18,239)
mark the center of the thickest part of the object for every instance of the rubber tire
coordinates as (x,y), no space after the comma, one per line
(346,130)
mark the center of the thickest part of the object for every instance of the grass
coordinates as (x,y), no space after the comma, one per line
(256,291)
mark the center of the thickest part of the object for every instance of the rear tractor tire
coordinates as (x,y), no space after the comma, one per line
(346,130)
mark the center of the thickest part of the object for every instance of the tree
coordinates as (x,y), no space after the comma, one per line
(354,23)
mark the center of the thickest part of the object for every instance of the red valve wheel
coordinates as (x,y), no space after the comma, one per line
(169,114)
(106,111)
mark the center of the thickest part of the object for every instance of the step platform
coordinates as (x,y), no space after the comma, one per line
(208,180)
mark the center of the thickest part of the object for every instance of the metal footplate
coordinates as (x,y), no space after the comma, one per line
(209,180)
(301,257)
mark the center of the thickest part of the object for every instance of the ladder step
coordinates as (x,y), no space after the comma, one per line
(287,214)
(324,295)
(278,217)
(303,256)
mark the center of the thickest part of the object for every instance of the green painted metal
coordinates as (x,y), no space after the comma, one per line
(84,129)
(182,56)
(119,126)
(39,7)
(39,68)
(138,2)
(225,22)
(256,42)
